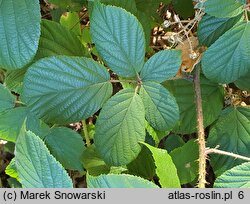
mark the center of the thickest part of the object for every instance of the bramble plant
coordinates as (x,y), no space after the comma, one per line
(142,119)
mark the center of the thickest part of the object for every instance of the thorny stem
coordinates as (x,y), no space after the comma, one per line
(86,133)
(200,129)
(217,151)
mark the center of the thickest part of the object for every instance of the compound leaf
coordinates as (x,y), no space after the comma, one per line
(66,146)
(119,39)
(64,89)
(119,131)
(231,132)
(223,8)
(165,168)
(36,167)
(7,100)
(237,177)
(228,58)
(118,181)
(161,66)
(161,109)
(19,32)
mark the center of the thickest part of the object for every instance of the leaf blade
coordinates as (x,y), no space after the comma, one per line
(162,111)
(161,66)
(119,131)
(220,60)
(121,43)
(165,168)
(43,170)
(20,31)
(76,87)
(118,181)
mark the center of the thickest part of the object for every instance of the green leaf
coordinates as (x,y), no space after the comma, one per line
(185,159)
(72,5)
(7,100)
(20,31)
(66,146)
(161,66)
(121,43)
(118,181)
(231,132)
(12,120)
(244,82)
(118,132)
(13,183)
(223,8)
(36,167)
(228,58)
(156,135)
(64,89)
(14,80)
(129,6)
(161,109)
(237,177)
(212,103)
(184,8)
(58,40)
(11,169)
(143,165)
(165,168)
(146,23)
(71,21)
(93,162)
(149,7)
(172,142)
(211,28)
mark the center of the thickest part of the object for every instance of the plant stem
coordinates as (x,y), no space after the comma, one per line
(200,129)
(217,151)
(86,133)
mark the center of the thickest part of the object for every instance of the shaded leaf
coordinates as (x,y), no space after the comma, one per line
(93,162)
(143,165)
(184,8)
(185,159)
(58,40)
(66,146)
(212,103)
